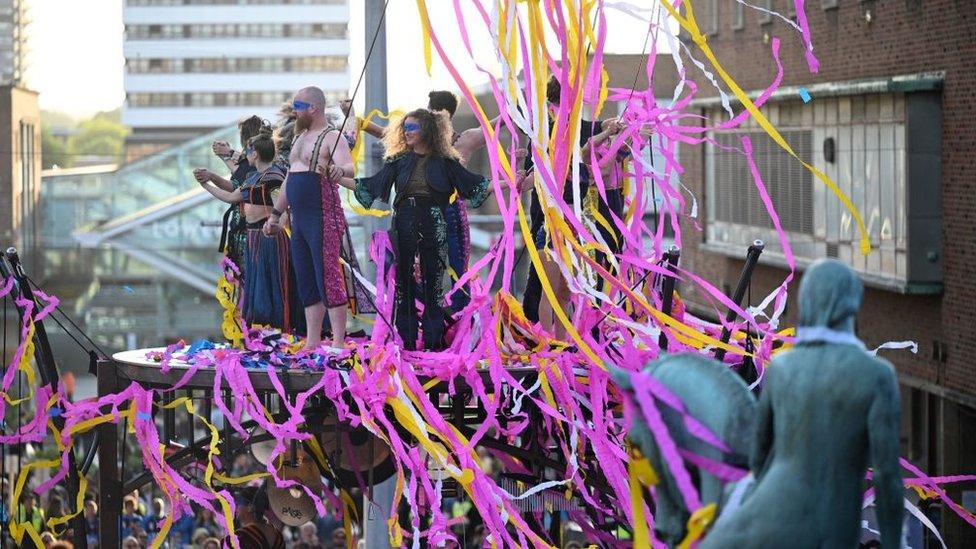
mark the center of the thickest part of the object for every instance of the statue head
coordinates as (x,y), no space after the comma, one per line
(830,296)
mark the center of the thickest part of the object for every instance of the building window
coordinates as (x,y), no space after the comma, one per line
(319,31)
(738,22)
(323,63)
(218,99)
(864,144)
(829,4)
(142,3)
(711,17)
(766,13)
(27,174)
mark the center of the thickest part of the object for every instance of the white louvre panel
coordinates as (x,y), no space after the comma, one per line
(882,151)
(789,185)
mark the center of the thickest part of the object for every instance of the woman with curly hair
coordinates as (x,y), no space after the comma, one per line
(422,165)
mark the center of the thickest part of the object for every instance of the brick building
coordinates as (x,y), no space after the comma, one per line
(20,169)
(892,119)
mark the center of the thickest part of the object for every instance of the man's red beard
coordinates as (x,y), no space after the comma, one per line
(302,123)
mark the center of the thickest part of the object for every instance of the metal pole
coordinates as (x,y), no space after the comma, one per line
(376,534)
(752,258)
(667,291)
(48,371)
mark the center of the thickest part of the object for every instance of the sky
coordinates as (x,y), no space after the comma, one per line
(76,58)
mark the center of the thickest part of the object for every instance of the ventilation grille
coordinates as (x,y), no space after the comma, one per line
(789,184)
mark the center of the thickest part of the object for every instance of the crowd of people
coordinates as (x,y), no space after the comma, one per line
(286,229)
(144,512)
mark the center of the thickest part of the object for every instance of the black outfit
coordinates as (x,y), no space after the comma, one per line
(233,235)
(424,185)
(533,286)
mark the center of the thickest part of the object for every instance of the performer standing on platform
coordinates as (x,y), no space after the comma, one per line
(318,222)
(233,235)
(425,170)
(269,290)
(536,308)
(466,143)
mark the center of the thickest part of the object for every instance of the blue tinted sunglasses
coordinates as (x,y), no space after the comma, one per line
(300,105)
(411,127)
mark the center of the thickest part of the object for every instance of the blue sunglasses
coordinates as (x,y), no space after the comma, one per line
(411,127)
(300,105)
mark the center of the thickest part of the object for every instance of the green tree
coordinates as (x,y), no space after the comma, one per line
(99,136)
(54,151)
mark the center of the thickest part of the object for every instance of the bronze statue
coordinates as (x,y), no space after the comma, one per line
(721,401)
(828,410)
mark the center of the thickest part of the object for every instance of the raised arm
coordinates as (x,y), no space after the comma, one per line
(374,129)
(205,177)
(883,438)
(470,141)
(226,154)
(367,189)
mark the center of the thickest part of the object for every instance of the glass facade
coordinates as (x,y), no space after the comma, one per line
(132,251)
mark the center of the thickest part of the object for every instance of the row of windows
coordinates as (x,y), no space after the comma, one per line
(238,30)
(325,63)
(229,2)
(219,99)
(786,8)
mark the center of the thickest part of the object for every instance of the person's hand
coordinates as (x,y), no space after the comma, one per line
(605,124)
(202,175)
(346,106)
(331,172)
(222,149)
(272,226)
(646,131)
(614,126)
(525,181)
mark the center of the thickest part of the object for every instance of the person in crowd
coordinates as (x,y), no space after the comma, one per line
(318,221)
(156,515)
(200,535)
(4,499)
(206,521)
(55,507)
(211,543)
(269,291)
(48,539)
(131,516)
(130,542)
(62,544)
(424,168)
(29,513)
(91,522)
(308,534)
(254,531)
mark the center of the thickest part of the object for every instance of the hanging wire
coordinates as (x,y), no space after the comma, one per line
(58,308)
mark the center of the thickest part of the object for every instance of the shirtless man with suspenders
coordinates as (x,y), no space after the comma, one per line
(318,222)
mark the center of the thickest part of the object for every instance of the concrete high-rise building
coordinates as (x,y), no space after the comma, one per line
(196,65)
(13,42)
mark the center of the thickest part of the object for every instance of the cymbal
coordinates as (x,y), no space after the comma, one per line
(359,451)
(292,505)
(262,450)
